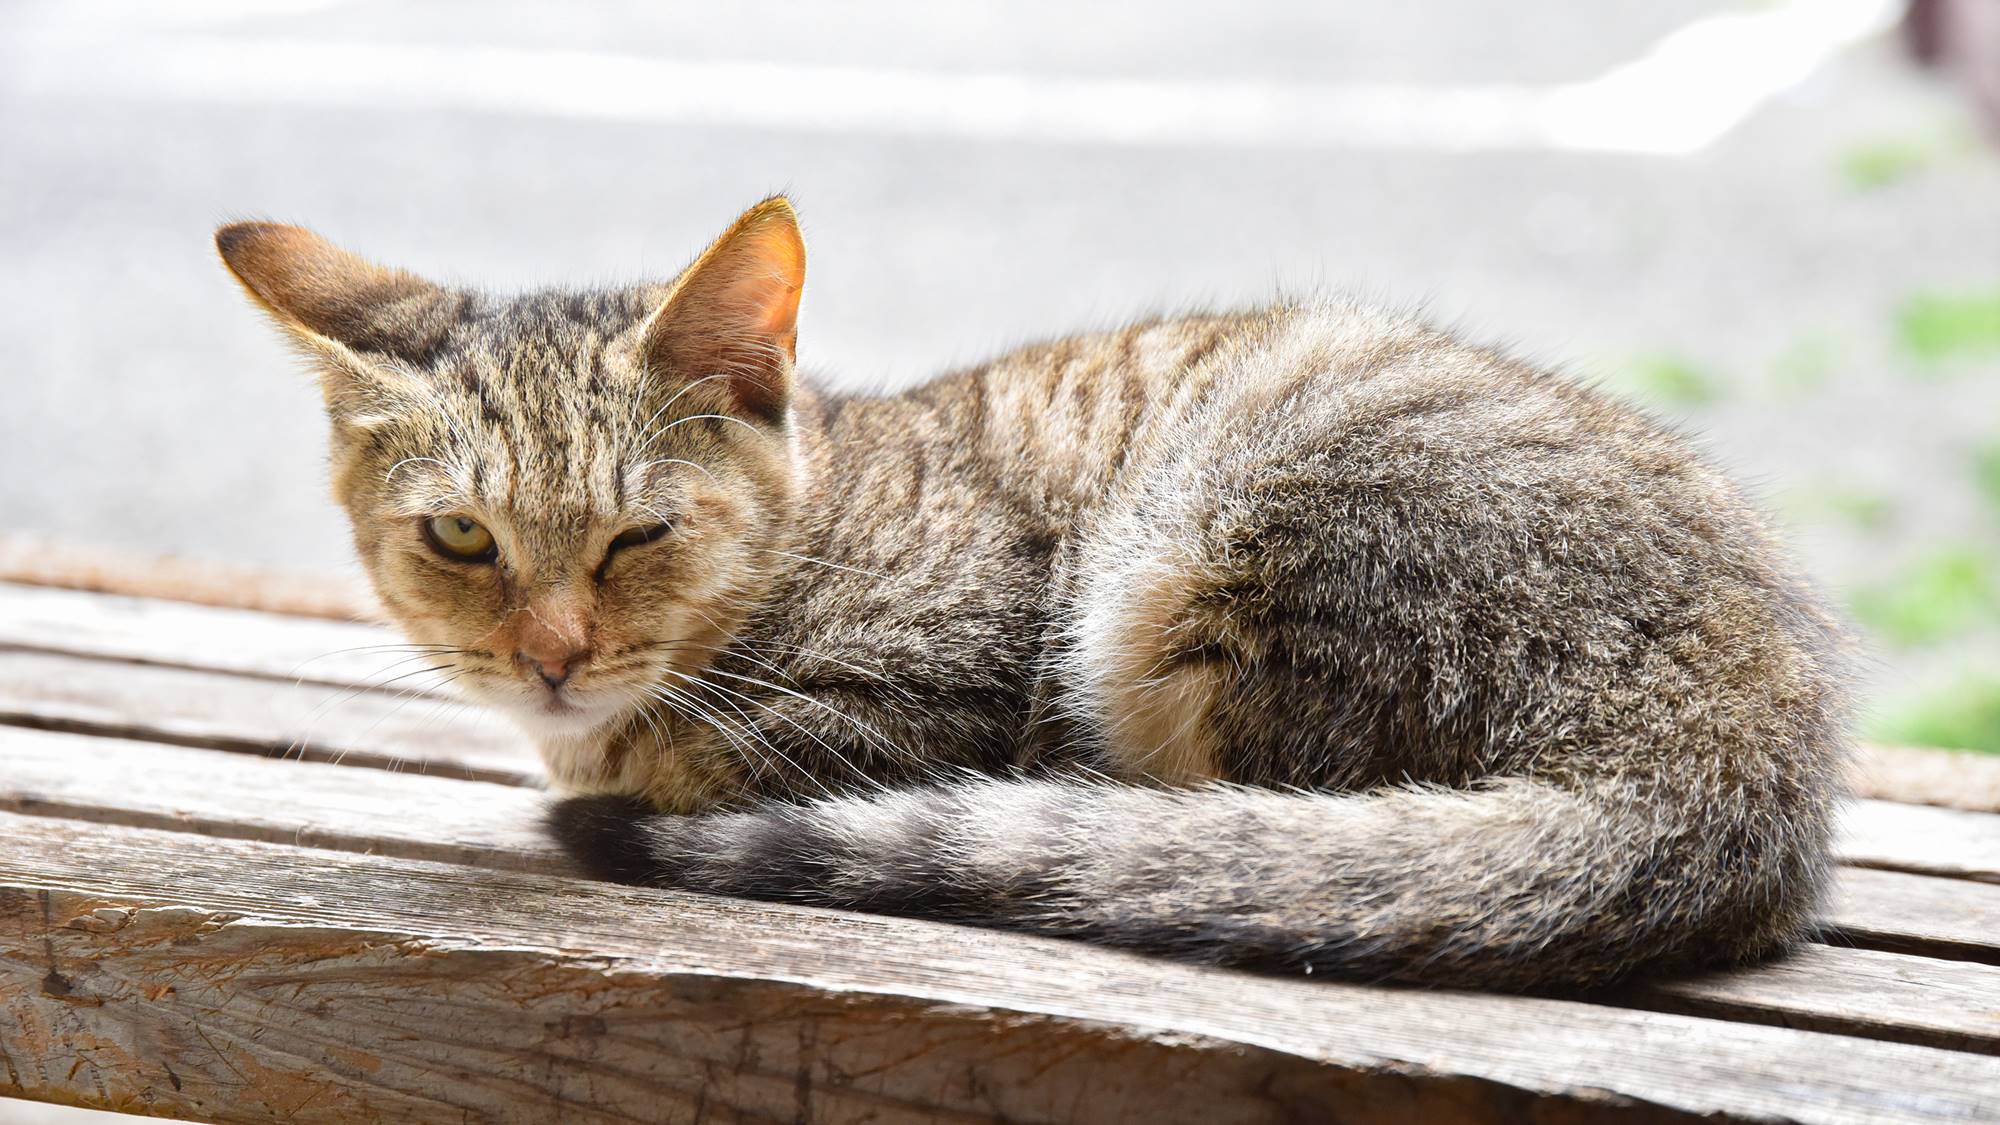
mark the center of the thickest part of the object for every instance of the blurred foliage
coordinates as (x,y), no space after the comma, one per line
(1669,380)
(1804,367)
(1858,508)
(1946,594)
(1964,716)
(1986,472)
(1937,326)
(1878,164)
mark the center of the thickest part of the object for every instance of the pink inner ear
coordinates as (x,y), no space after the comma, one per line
(774,277)
(737,301)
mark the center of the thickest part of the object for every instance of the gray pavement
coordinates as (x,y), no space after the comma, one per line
(146,407)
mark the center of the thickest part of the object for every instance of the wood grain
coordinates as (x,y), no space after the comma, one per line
(1901,913)
(224,711)
(244,981)
(1921,839)
(1865,993)
(40,561)
(1958,779)
(132,782)
(182,634)
(119,781)
(495,826)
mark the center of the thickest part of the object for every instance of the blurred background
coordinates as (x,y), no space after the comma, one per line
(1765,221)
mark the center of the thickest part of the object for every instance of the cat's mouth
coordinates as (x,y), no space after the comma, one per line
(566,718)
(560,713)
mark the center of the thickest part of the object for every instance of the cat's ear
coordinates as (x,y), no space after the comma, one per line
(324,295)
(735,311)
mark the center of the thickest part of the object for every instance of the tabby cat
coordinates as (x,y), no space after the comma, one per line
(1306,638)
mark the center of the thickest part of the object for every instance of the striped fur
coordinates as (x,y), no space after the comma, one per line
(1307,638)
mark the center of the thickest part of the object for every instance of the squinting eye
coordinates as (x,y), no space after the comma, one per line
(631,537)
(459,537)
(639,536)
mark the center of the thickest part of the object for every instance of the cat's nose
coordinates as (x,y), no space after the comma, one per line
(555,671)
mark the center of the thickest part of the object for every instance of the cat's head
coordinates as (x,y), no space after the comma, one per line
(566,496)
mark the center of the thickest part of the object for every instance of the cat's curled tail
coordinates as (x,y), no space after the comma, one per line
(1513,884)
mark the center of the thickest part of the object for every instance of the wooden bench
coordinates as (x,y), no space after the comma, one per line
(238,885)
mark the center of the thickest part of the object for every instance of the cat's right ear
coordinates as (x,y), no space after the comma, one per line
(318,292)
(734,312)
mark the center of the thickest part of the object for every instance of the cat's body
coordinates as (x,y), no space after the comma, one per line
(1515,691)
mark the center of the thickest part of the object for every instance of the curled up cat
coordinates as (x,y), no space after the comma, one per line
(1307,638)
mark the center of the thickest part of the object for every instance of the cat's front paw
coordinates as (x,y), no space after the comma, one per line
(607,836)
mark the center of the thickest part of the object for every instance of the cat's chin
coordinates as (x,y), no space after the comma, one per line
(567,722)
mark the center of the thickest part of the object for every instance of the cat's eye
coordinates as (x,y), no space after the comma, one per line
(639,536)
(460,537)
(631,537)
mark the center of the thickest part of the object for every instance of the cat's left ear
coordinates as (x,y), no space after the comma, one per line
(735,312)
(324,295)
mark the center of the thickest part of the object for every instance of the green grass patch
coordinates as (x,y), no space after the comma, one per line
(1670,380)
(1945,595)
(1964,716)
(1986,472)
(1939,326)
(1804,367)
(1877,164)
(1856,508)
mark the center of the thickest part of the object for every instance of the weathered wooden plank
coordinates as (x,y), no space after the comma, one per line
(399,815)
(128,783)
(225,711)
(1902,913)
(1921,839)
(41,561)
(182,634)
(1859,992)
(1911,775)
(243,981)
(118,781)
(153,631)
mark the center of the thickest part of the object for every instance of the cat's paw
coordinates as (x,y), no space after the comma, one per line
(607,836)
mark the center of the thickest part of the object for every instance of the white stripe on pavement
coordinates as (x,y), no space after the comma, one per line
(1688,91)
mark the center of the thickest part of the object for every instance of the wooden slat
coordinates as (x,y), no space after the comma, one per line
(1858,992)
(266,645)
(74,775)
(243,981)
(320,722)
(181,634)
(1921,839)
(118,781)
(495,826)
(37,560)
(1902,913)
(224,711)
(1958,779)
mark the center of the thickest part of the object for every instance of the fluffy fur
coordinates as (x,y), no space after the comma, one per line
(1306,638)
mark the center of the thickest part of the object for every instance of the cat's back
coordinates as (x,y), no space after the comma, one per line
(1060,421)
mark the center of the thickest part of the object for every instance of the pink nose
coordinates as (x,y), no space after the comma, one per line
(554,640)
(554,673)
(555,670)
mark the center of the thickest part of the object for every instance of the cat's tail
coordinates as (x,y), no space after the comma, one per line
(1513,884)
